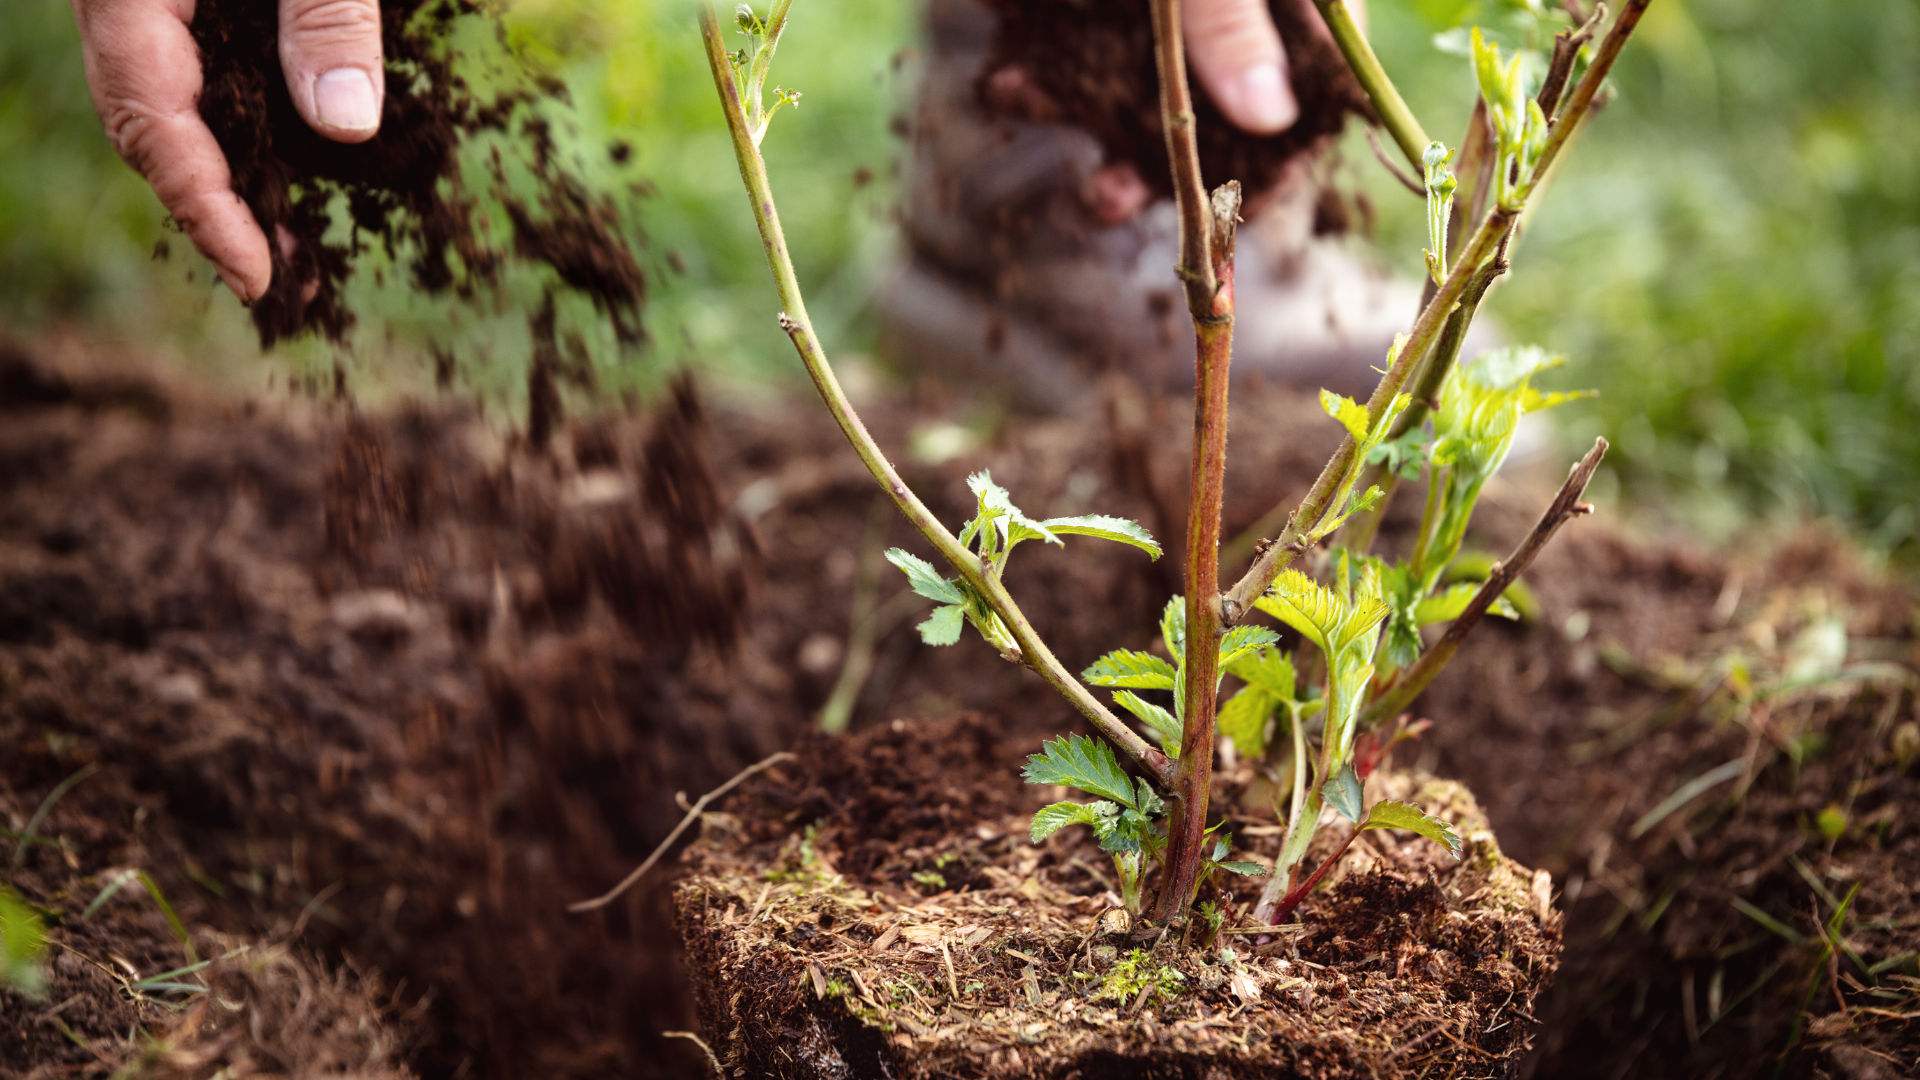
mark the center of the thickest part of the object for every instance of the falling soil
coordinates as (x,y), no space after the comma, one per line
(1090,65)
(877,911)
(403,676)
(403,190)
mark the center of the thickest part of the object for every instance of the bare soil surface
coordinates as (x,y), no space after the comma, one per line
(409,687)
(913,930)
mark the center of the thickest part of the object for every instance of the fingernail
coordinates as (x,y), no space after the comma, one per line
(1261,101)
(344,99)
(234,283)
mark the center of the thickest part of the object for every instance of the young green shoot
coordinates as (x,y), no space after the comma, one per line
(1360,615)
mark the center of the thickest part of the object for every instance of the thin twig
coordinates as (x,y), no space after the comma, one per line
(1392,109)
(1183,152)
(799,329)
(1400,174)
(1566,49)
(702,1044)
(699,805)
(1565,506)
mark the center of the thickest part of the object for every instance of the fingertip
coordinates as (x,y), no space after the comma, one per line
(1259,100)
(346,104)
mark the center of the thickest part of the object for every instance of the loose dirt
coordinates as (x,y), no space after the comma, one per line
(403,192)
(1091,66)
(461,678)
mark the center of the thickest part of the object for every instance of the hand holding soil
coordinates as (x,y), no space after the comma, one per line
(143,69)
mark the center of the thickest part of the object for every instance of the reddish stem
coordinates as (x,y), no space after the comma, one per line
(1284,908)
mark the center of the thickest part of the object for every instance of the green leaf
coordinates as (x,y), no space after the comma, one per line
(1245,869)
(1405,456)
(996,506)
(22,940)
(1399,815)
(1082,763)
(1445,606)
(1351,414)
(1165,728)
(1244,719)
(1243,641)
(1131,668)
(1119,530)
(1051,819)
(943,626)
(1269,669)
(1343,793)
(924,579)
(1173,628)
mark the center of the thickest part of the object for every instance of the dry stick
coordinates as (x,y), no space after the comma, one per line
(1393,168)
(799,328)
(1206,266)
(1486,239)
(700,804)
(702,1044)
(1566,505)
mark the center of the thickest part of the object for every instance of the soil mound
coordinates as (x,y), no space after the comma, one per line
(913,930)
(404,189)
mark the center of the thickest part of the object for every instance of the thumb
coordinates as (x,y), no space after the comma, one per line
(330,50)
(1236,52)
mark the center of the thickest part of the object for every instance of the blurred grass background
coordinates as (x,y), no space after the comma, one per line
(1731,255)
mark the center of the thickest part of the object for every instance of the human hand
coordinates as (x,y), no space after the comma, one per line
(1236,55)
(144,72)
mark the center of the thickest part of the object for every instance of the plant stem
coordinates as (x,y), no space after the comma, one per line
(1206,267)
(1486,239)
(1321,497)
(1392,109)
(1408,684)
(1357,534)
(799,328)
(1287,903)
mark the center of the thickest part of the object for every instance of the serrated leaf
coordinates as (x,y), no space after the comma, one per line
(1051,819)
(1244,869)
(1165,728)
(996,506)
(1118,530)
(1343,792)
(943,626)
(1351,414)
(1446,605)
(1082,763)
(1399,815)
(1243,641)
(1173,629)
(1131,668)
(1244,719)
(1269,669)
(925,579)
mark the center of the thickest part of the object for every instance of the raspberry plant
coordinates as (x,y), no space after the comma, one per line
(1430,416)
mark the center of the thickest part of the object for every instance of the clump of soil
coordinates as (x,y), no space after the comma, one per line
(1092,66)
(911,929)
(403,190)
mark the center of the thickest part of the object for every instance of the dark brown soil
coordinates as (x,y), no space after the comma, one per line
(1091,65)
(876,909)
(404,191)
(307,645)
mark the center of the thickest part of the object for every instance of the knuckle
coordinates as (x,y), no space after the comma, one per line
(336,20)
